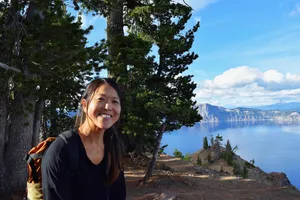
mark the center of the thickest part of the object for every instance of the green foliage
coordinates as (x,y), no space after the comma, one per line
(235,148)
(240,171)
(245,171)
(51,53)
(219,138)
(228,154)
(249,165)
(156,90)
(205,143)
(236,169)
(209,158)
(161,149)
(212,142)
(199,162)
(228,157)
(188,157)
(228,146)
(178,154)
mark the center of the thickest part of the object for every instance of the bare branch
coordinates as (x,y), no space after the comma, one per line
(4,66)
(187,4)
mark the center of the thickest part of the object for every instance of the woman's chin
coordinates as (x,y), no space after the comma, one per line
(104,127)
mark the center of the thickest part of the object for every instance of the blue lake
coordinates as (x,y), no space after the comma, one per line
(274,147)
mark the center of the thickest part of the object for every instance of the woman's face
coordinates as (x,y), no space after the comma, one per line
(104,108)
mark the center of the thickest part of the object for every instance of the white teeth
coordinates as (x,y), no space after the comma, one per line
(105,116)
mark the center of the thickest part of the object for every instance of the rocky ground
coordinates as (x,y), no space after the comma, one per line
(178,179)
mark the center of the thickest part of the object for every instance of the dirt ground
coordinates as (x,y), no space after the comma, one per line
(186,181)
(176,179)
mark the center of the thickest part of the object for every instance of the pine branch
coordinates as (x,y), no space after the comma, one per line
(4,66)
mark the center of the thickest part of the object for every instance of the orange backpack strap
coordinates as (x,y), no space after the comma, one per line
(33,159)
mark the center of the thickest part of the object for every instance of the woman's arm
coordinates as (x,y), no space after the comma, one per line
(55,172)
(118,188)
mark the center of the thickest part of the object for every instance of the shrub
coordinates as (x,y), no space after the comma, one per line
(209,158)
(252,162)
(228,157)
(199,162)
(228,146)
(177,154)
(238,171)
(249,165)
(245,171)
(188,157)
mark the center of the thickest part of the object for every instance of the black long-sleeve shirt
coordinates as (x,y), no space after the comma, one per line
(89,182)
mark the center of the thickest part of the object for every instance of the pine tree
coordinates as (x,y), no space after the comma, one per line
(168,91)
(228,147)
(205,143)
(212,142)
(48,63)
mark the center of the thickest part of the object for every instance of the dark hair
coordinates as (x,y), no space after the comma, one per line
(111,138)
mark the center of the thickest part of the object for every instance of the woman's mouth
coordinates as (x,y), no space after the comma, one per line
(106,116)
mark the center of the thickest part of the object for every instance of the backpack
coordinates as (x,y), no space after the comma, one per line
(34,160)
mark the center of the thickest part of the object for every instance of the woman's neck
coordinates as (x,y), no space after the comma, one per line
(91,134)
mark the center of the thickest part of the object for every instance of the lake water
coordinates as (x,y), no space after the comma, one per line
(274,147)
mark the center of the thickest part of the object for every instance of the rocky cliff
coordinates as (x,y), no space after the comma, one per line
(217,163)
(212,113)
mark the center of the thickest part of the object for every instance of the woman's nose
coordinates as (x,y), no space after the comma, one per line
(107,106)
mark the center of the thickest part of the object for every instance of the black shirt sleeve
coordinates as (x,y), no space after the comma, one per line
(55,174)
(118,188)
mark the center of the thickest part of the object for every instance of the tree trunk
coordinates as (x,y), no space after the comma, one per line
(19,143)
(3,129)
(155,153)
(43,129)
(115,31)
(39,107)
(16,139)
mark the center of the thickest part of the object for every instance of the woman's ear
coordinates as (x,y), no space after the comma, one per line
(84,105)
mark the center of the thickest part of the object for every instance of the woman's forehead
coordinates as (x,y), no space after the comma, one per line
(106,90)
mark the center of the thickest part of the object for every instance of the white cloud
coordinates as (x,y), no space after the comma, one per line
(234,77)
(296,9)
(196,4)
(273,76)
(292,77)
(245,86)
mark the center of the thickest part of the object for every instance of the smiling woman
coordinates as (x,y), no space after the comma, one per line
(99,174)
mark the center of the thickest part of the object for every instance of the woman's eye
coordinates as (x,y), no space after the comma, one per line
(116,102)
(101,99)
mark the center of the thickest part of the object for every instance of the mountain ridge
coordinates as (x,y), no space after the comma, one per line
(212,113)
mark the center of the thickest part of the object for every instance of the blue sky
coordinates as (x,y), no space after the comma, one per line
(249,50)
